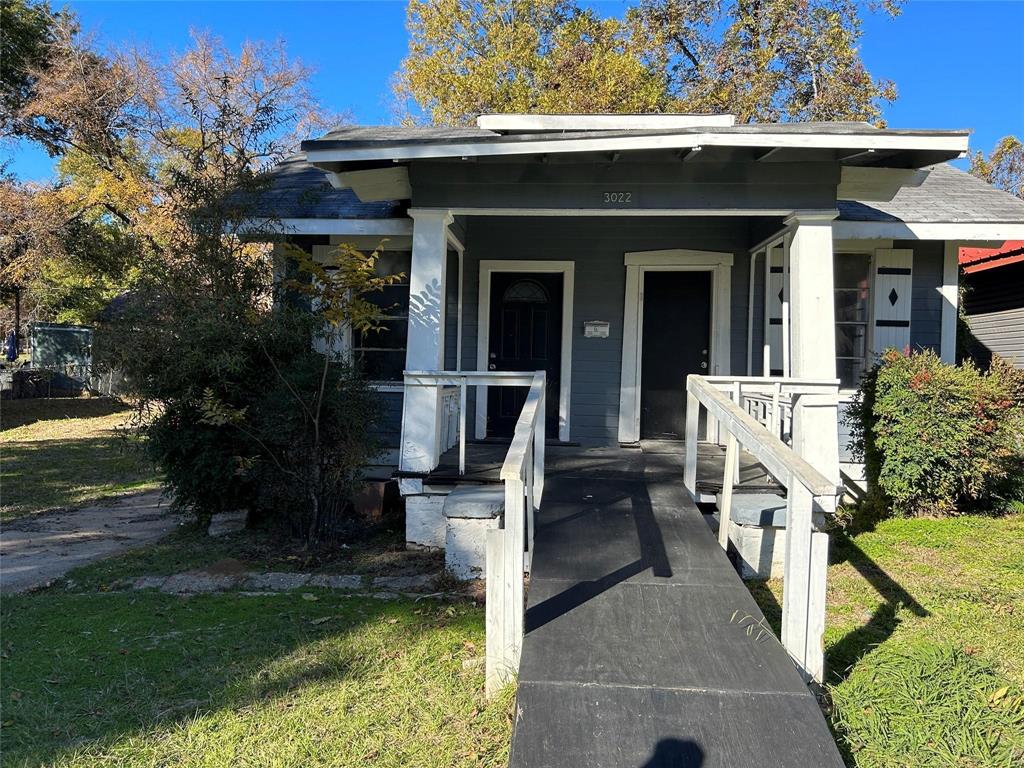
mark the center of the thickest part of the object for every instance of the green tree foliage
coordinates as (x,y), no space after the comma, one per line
(938,438)
(763,60)
(1004,167)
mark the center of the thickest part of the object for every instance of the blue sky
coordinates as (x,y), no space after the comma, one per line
(957,63)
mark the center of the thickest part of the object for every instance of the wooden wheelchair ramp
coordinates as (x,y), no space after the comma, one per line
(642,645)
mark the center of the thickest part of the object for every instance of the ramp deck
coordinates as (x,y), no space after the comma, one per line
(643,647)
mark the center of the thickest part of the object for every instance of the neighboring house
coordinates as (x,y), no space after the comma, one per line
(994,301)
(554,233)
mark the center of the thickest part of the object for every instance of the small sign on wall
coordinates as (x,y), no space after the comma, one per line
(595,329)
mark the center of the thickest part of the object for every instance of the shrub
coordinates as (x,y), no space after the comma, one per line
(936,438)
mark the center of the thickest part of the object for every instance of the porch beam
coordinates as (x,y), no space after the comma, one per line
(421,406)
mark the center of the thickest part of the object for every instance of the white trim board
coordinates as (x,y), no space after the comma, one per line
(483,320)
(676,260)
(908,230)
(956,143)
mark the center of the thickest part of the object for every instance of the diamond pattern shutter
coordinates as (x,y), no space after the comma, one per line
(893,291)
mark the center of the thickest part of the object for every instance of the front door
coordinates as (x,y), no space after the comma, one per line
(676,343)
(525,335)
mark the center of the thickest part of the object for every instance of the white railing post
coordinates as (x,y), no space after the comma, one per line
(462,426)
(539,441)
(732,462)
(796,580)
(690,445)
(515,521)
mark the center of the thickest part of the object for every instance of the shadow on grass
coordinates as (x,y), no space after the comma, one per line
(18,413)
(848,650)
(843,654)
(89,671)
(50,474)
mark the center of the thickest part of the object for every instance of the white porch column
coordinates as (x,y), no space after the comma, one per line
(421,407)
(950,291)
(813,336)
(815,437)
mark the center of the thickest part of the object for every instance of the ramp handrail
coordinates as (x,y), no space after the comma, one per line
(509,547)
(809,494)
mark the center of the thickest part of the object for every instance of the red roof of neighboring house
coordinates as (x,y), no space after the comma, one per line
(978,259)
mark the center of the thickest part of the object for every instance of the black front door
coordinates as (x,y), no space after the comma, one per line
(676,342)
(525,335)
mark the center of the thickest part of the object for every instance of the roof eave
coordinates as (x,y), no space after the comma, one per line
(949,144)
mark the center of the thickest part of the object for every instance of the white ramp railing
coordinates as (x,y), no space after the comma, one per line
(809,494)
(509,548)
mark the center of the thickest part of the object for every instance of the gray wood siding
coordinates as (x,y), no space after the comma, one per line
(1001,333)
(597,246)
(388,428)
(926,303)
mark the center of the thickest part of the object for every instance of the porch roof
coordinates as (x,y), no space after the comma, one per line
(851,143)
(300,192)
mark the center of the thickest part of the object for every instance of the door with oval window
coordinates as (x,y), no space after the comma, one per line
(525,335)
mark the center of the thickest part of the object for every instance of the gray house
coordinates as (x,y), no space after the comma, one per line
(617,313)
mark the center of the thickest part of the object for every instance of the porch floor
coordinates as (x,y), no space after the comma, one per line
(637,651)
(484,460)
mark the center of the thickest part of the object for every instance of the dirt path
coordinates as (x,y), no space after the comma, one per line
(35,551)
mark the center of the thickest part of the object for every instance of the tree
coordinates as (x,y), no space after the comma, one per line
(1004,168)
(763,60)
(27,31)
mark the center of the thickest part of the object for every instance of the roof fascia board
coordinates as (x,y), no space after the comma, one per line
(907,230)
(954,143)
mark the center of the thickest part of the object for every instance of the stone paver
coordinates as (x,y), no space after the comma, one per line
(34,551)
(276,582)
(328,581)
(403,582)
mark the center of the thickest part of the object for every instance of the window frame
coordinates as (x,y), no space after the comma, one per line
(354,351)
(868,322)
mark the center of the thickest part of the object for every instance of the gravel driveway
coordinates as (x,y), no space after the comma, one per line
(36,550)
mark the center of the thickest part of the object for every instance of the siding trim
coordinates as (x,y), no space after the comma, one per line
(483,320)
(638,263)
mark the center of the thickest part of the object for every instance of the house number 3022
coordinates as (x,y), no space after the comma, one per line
(617,198)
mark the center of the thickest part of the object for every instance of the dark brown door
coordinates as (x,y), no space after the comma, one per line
(676,343)
(525,335)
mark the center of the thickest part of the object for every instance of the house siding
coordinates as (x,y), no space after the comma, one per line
(597,246)
(926,302)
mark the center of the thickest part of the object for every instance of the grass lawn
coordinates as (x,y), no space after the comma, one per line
(66,452)
(97,675)
(307,679)
(925,642)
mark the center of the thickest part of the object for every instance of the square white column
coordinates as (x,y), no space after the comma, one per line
(421,407)
(813,336)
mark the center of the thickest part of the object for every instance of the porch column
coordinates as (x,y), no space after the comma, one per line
(421,406)
(813,336)
(815,438)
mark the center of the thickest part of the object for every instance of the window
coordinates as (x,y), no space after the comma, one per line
(381,352)
(852,300)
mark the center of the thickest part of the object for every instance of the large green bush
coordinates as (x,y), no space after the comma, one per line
(938,438)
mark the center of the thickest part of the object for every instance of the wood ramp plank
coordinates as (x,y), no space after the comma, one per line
(643,647)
